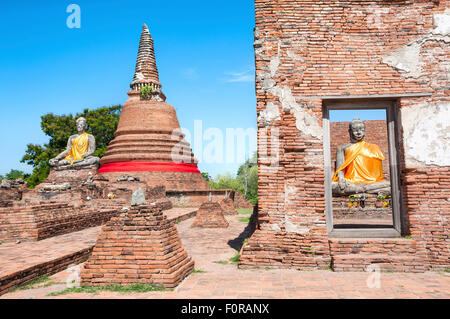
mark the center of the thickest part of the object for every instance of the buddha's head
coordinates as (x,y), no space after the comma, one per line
(357,130)
(81,125)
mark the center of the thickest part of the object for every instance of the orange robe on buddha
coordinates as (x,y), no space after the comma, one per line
(79,148)
(363,164)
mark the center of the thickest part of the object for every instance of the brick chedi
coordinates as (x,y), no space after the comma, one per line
(148,140)
(228,206)
(138,246)
(240,201)
(210,215)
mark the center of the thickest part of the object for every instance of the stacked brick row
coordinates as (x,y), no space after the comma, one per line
(44,220)
(138,246)
(428,217)
(401,255)
(286,250)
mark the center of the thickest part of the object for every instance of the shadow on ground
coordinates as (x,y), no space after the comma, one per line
(237,242)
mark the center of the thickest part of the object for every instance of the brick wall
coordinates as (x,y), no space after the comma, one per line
(428,211)
(305,50)
(11,194)
(171,180)
(388,254)
(196,198)
(37,222)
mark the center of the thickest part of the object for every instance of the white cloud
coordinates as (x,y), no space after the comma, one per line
(246,76)
(190,73)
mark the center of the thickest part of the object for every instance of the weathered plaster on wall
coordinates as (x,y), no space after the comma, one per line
(271,113)
(305,122)
(273,227)
(407,59)
(294,56)
(294,227)
(139,76)
(426,133)
(442,23)
(289,190)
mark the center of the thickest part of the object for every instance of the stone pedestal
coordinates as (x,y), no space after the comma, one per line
(228,206)
(210,215)
(71,185)
(138,246)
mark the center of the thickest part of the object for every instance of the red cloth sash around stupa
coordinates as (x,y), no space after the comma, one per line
(141,166)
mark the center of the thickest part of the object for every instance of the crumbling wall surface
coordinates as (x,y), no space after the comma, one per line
(11,191)
(305,50)
(425,173)
(425,144)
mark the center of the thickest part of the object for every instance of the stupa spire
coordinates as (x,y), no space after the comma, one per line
(148,141)
(146,72)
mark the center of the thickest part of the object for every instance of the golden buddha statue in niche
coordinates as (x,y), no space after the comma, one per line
(359,165)
(78,153)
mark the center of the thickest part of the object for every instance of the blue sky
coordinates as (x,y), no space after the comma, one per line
(203,50)
(348,115)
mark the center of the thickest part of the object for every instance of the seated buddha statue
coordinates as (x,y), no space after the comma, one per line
(80,148)
(359,165)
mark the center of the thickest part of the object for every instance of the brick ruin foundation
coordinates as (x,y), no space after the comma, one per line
(44,220)
(228,206)
(310,53)
(210,215)
(11,191)
(138,246)
(46,213)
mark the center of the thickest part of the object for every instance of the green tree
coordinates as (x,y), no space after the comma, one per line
(206,176)
(227,181)
(15,174)
(102,123)
(248,175)
(245,182)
